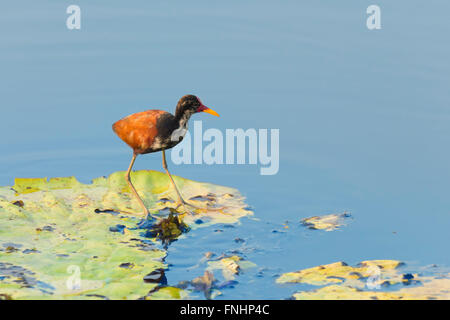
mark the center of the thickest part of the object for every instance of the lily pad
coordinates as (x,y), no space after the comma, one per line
(372,279)
(434,289)
(167,293)
(338,272)
(67,247)
(205,283)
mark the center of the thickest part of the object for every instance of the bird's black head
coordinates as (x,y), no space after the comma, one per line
(190,104)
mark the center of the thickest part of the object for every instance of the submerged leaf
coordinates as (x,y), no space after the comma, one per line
(230,266)
(329,222)
(204,283)
(166,293)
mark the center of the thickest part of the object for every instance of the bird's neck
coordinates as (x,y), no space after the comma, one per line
(182,119)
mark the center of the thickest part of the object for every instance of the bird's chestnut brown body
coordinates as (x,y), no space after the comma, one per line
(147,131)
(157,130)
(153,130)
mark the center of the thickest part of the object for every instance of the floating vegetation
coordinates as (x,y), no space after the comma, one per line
(204,284)
(168,229)
(329,222)
(62,239)
(373,279)
(166,293)
(230,266)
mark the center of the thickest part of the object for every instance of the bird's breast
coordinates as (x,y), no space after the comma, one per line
(167,139)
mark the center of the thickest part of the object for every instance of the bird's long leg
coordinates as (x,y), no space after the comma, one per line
(127,177)
(181,201)
(180,198)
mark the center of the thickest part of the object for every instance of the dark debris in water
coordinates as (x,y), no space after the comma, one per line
(408,279)
(278,231)
(156,276)
(408,276)
(110,211)
(167,230)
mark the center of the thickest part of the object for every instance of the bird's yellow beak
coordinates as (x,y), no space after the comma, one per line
(203,108)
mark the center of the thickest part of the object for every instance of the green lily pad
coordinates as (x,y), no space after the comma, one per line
(372,279)
(58,244)
(337,272)
(167,293)
(433,289)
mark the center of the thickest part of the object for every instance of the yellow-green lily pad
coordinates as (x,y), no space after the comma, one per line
(57,243)
(434,289)
(167,293)
(338,272)
(371,279)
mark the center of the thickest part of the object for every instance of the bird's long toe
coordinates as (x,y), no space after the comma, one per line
(205,208)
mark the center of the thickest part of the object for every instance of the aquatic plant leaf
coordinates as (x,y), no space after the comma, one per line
(329,222)
(58,235)
(337,272)
(206,284)
(167,293)
(169,229)
(371,279)
(230,266)
(435,289)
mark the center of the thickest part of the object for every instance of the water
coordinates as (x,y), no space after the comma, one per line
(363,117)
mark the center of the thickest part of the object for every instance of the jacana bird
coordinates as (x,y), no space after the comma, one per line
(156,130)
